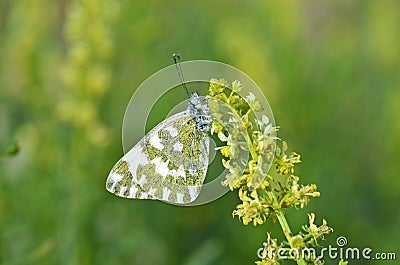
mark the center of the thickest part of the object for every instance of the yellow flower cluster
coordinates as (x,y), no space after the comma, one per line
(263,193)
(252,209)
(282,184)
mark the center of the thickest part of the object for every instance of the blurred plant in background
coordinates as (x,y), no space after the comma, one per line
(86,73)
(68,68)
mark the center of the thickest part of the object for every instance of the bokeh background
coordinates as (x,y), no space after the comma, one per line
(330,70)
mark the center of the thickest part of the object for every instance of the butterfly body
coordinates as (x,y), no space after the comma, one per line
(170,162)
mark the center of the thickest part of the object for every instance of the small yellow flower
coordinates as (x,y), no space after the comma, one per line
(296,242)
(236,86)
(217,86)
(235,175)
(315,231)
(216,127)
(253,102)
(226,151)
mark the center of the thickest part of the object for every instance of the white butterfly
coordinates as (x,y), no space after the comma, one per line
(170,162)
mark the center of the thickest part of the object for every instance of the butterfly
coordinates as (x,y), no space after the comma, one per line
(170,162)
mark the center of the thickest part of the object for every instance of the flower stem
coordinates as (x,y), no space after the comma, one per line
(284,225)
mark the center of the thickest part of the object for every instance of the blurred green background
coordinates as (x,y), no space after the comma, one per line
(330,70)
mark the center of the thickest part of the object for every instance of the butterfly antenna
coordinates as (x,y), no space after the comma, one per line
(177,60)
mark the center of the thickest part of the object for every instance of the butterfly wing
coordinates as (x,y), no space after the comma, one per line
(169,163)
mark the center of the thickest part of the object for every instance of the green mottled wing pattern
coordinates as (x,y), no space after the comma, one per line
(169,163)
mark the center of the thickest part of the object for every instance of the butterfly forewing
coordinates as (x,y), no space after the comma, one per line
(169,163)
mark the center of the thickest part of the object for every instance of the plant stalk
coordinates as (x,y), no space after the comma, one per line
(284,225)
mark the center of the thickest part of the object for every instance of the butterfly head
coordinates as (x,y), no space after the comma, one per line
(199,110)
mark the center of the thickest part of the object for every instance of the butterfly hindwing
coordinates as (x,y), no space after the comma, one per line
(169,163)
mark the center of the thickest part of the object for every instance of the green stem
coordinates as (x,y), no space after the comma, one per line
(284,225)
